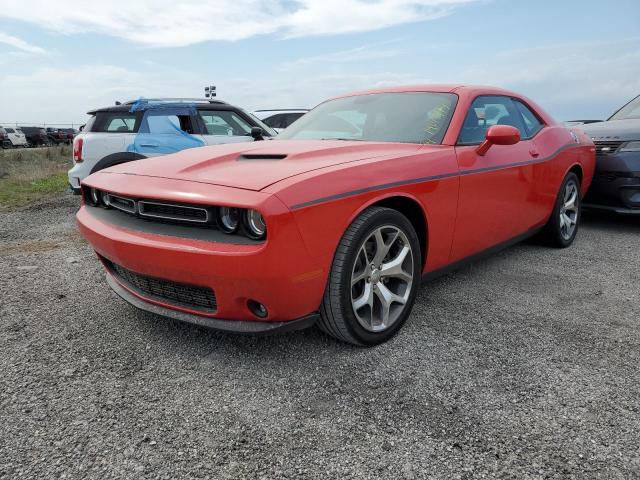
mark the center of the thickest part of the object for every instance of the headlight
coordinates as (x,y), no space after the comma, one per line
(630,147)
(254,224)
(95,197)
(228,218)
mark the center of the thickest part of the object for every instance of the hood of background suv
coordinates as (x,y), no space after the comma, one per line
(613,130)
(256,165)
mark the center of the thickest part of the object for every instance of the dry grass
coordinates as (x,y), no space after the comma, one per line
(26,175)
(66,239)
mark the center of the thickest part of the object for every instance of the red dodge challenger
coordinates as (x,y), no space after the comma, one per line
(338,219)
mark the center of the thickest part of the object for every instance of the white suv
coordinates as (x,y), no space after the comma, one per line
(152,127)
(16,137)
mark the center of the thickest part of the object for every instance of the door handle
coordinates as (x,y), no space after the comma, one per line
(148,145)
(534,153)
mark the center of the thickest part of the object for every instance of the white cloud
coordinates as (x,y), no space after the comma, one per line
(19,44)
(587,80)
(173,23)
(64,94)
(364,52)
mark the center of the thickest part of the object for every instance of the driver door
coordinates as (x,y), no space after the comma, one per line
(494,188)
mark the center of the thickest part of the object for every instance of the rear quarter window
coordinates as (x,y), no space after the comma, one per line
(531,122)
(115,122)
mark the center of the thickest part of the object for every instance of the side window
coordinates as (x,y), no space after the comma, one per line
(485,112)
(9,130)
(292,117)
(166,124)
(275,121)
(120,123)
(224,122)
(531,122)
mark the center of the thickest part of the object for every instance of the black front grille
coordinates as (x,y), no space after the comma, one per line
(178,294)
(607,147)
(173,212)
(121,203)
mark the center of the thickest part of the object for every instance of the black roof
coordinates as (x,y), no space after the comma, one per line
(199,103)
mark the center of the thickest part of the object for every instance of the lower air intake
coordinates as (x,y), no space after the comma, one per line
(178,294)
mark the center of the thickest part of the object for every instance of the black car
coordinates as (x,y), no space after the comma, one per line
(616,184)
(36,136)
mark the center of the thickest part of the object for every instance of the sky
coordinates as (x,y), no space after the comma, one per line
(577,59)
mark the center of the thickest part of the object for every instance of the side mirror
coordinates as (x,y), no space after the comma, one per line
(499,135)
(256,133)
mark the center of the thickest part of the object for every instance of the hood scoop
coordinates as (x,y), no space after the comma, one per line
(262,156)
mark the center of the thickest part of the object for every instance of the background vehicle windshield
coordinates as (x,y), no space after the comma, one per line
(630,111)
(413,117)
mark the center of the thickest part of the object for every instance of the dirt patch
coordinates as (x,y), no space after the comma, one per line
(8,249)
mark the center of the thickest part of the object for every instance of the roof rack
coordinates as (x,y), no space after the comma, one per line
(174,100)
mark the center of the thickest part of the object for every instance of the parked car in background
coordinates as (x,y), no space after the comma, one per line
(340,217)
(576,123)
(16,137)
(36,136)
(152,127)
(4,139)
(70,133)
(616,185)
(56,136)
(280,119)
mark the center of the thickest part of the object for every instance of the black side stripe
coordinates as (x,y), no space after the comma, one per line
(411,181)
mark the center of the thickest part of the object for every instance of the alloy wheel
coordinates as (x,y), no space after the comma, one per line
(381,278)
(569,210)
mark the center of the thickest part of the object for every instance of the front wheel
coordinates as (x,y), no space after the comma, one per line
(374,278)
(562,227)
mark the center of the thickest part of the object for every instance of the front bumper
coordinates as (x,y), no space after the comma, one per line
(616,184)
(249,327)
(279,273)
(611,208)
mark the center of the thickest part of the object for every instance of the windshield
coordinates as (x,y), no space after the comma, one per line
(630,111)
(412,117)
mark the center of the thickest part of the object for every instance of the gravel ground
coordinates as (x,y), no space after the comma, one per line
(521,366)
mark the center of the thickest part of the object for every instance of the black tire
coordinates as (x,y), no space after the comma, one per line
(337,316)
(552,234)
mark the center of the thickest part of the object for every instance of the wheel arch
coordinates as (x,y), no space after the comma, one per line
(411,208)
(577,169)
(116,159)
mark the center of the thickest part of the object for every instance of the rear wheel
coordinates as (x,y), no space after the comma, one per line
(562,227)
(374,278)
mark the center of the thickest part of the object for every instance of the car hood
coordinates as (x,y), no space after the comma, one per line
(613,130)
(256,165)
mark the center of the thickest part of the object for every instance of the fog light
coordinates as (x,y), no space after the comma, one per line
(258,309)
